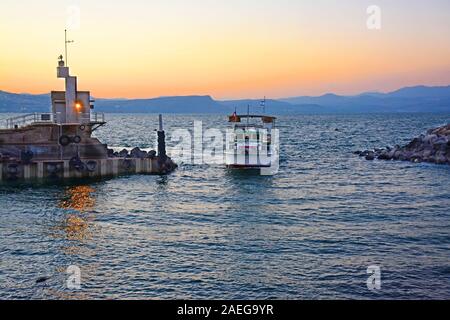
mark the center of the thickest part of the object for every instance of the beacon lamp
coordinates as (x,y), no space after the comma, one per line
(78,106)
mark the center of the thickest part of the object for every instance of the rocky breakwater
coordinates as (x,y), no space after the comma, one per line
(136,153)
(433,147)
(165,163)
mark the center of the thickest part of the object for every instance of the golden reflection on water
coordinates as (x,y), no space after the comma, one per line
(77,225)
(78,198)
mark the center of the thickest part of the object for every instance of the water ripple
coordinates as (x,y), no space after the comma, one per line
(309,232)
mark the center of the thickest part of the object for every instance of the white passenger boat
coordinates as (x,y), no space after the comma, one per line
(253,143)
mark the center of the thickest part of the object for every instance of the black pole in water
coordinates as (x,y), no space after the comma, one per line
(161,142)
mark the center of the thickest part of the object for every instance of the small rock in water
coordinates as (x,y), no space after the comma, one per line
(364,153)
(42,279)
(384,155)
(370,156)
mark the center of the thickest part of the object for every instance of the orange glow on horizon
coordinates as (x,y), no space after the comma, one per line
(175,48)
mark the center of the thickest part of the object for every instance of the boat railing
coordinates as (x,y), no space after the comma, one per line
(27,119)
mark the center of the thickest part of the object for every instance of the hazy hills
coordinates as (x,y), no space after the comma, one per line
(410,99)
(12,102)
(187,104)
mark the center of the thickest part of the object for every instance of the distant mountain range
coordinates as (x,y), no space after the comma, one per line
(410,99)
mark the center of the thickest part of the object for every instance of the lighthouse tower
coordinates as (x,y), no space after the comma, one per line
(70,106)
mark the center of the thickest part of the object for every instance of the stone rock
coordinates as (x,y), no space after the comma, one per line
(441,131)
(384,155)
(429,139)
(42,279)
(414,144)
(123,153)
(427,153)
(434,147)
(151,154)
(370,156)
(441,157)
(397,155)
(441,142)
(138,153)
(391,154)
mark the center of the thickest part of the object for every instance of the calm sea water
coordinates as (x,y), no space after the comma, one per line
(309,232)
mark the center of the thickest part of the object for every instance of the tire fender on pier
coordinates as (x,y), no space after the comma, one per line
(91,166)
(64,141)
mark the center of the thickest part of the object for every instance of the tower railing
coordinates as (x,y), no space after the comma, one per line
(44,118)
(27,119)
(97,117)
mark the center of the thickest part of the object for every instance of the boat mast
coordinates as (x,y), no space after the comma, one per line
(248,115)
(263,105)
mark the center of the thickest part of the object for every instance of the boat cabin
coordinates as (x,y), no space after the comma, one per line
(250,141)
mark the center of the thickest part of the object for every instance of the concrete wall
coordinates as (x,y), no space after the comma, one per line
(10,171)
(71,97)
(42,134)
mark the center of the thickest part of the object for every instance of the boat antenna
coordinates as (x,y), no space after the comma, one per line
(66,42)
(248,115)
(263,105)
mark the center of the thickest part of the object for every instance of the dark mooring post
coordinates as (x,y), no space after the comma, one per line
(161,142)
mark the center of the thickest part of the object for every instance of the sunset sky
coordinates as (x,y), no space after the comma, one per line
(224,48)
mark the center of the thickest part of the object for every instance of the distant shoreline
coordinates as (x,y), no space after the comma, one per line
(419,99)
(444,113)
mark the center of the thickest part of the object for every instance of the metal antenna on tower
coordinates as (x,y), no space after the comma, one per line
(65,44)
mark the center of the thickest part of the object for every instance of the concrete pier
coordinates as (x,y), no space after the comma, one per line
(54,169)
(60,144)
